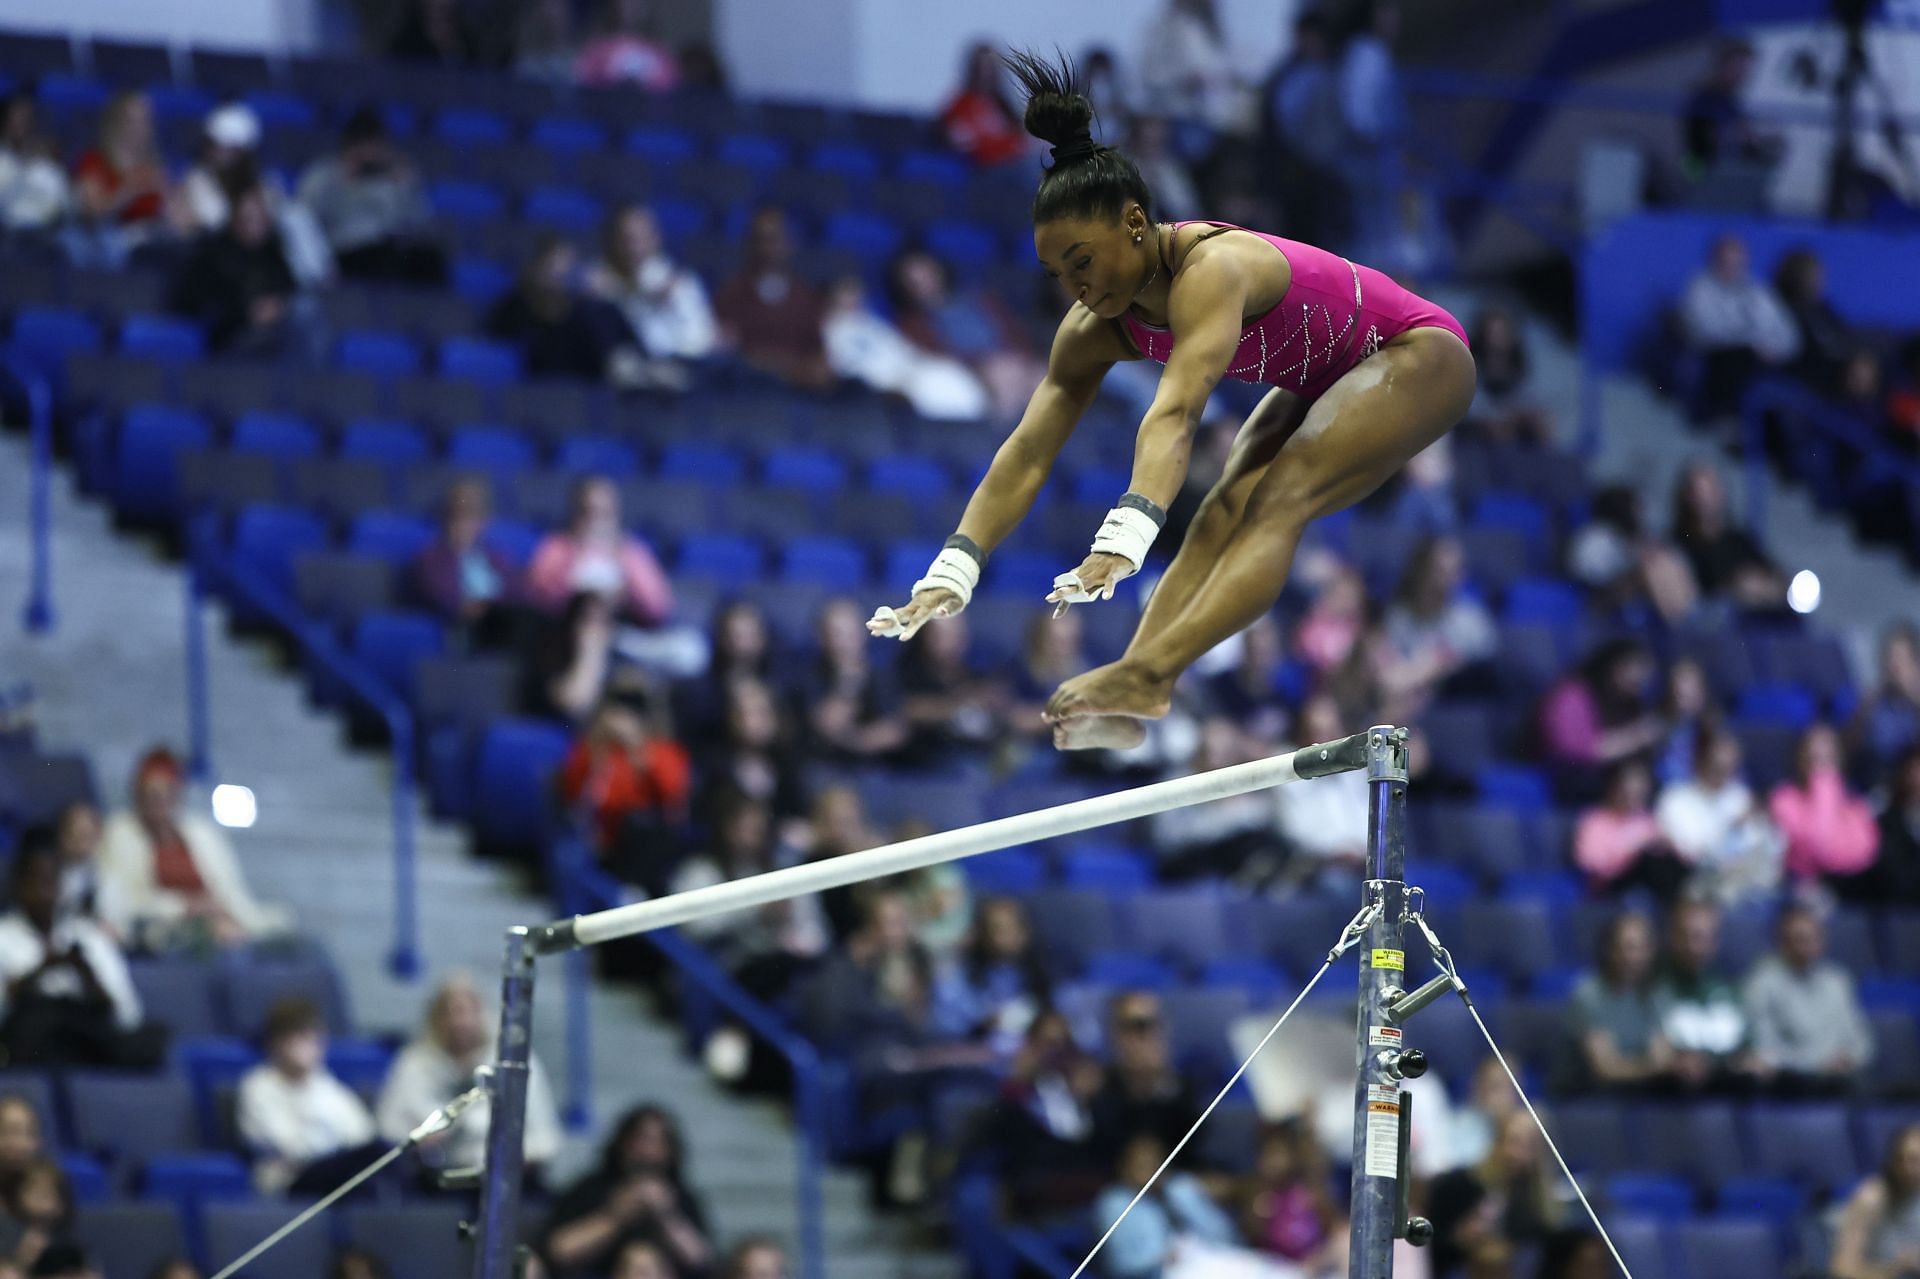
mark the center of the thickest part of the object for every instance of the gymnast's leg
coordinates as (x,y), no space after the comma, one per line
(1353,438)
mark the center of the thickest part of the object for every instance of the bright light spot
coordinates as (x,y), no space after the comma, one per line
(1803,592)
(234,806)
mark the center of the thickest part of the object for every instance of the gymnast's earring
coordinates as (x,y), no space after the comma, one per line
(1138,238)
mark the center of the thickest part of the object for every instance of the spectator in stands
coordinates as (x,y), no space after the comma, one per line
(664,303)
(1505,409)
(1619,844)
(851,704)
(639,1259)
(1327,634)
(955,710)
(307,1131)
(1249,693)
(238,285)
(229,161)
(1887,721)
(638,1195)
(564,332)
(120,186)
(1286,1210)
(756,752)
(1613,1017)
(865,347)
(1736,324)
(1105,84)
(173,872)
(69,998)
(1305,134)
(1176,1219)
(76,833)
(1482,1215)
(1903,401)
(1599,714)
(769,315)
(457,1039)
(458,577)
(755,1259)
(1051,650)
(1809,1031)
(1700,1011)
(630,783)
(21,1141)
(1043,1125)
(837,825)
(1633,574)
(372,208)
(965,324)
(1232,838)
(38,1223)
(1825,340)
(1878,1236)
(999,983)
(1716,824)
(1143,1093)
(1439,630)
(175,1268)
(741,646)
(437,32)
(544,49)
(1726,559)
(1716,128)
(1894,877)
(624,50)
(569,664)
(979,121)
(594,554)
(1829,831)
(1154,150)
(937,896)
(1189,73)
(34,195)
(1324,827)
(1688,708)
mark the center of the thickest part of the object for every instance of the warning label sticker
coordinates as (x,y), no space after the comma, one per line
(1394,959)
(1382,1157)
(1384,1036)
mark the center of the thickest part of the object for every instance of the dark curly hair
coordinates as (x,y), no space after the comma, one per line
(1086,179)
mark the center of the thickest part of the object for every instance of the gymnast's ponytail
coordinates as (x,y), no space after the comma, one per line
(1085,179)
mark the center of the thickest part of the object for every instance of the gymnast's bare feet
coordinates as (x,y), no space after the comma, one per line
(1116,689)
(1099,732)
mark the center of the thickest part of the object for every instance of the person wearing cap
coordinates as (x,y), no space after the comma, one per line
(229,160)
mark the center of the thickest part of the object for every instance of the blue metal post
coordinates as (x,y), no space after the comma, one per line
(37,617)
(405,960)
(497,1239)
(199,744)
(1376,1108)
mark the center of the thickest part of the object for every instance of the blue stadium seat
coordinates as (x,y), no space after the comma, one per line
(564,209)
(1026,575)
(903,563)
(1296,931)
(278,435)
(128,1238)
(1011,872)
(1654,1195)
(513,778)
(1515,936)
(1700,1140)
(514,541)
(598,455)
(755,152)
(1185,926)
(131,1118)
(964,246)
(942,167)
(1516,511)
(480,280)
(1775,1199)
(379,353)
(706,464)
(892,798)
(814,470)
(569,135)
(1111,868)
(214,1065)
(1727,1247)
(252,982)
(44,336)
(230,1230)
(662,144)
(466,202)
(1808,1143)
(391,443)
(1072,923)
(1514,786)
(391,643)
(1593,1135)
(499,450)
(86,1178)
(1642,1244)
(1779,705)
(268,538)
(146,475)
(1542,601)
(834,562)
(177,993)
(727,557)
(1261,980)
(679,219)
(466,127)
(848,159)
(1129,970)
(480,360)
(188,1181)
(389,536)
(162,337)
(428,1235)
(360,1064)
(909,475)
(870,235)
(1199,1023)
(281,110)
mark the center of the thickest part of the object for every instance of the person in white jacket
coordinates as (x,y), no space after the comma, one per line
(174,876)
(1736,323)
(307,1131)
(456,1040)
(664,302)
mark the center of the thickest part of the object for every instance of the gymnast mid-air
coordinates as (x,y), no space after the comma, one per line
(1364,374)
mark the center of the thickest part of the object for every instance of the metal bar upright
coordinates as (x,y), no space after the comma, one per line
(1376,1110)
(497,1237)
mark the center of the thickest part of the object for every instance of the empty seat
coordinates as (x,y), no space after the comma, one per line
(836,563)
(701,464)
(1727,1247)
(391,643)
(498,450)
(568,134)
(252,984)
(1517,937)
(1187,926)
(1072,923)
(267,539)
(337,587)
(179,994)
(1593,1136)
(467,691)
(393,443)
(1199,1023)
(391,537)
(1008,872)
(217,480)
(379,353)
(232,1229)
(34,788)
(1651,1195)
(162,337)
(723,556)
(1808,1143)
(480,360)
(428,1236)
(564,209)
(1642,1246)
(131,1118)
(598,455)
(125,1238)
(277,435)
(1700,1140)
(466,127)
(152,437)
(1109,868)
(513,781)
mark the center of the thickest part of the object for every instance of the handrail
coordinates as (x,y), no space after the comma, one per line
(1810,408)
(206,562)
(36,617)
(595,886)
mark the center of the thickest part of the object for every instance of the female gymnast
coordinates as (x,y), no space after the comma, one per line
(1364,376)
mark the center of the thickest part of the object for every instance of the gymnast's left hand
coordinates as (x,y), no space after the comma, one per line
(1094,580)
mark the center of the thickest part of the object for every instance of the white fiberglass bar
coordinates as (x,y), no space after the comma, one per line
(1319,760)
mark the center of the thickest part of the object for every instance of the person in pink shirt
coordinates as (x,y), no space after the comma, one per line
(1829,830)
(1599,715)
(594,555)
(1618,844)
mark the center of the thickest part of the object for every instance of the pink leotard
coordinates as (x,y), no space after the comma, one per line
(1335,314)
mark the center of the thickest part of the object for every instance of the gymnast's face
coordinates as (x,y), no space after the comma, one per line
(1096,261)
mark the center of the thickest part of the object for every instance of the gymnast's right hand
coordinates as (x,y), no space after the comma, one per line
(904,623)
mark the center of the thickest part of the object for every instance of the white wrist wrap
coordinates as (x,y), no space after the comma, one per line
(1128,532)
(953,570)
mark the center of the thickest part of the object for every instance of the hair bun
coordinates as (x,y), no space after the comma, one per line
(1058,110)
